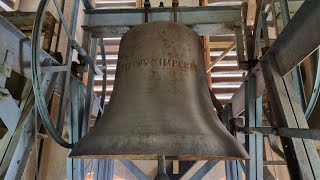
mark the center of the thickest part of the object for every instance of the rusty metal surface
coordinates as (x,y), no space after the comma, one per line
(160,104)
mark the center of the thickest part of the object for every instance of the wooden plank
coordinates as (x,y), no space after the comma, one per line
(250,121)
(175,165)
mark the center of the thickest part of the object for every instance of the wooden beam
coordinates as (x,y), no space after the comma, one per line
(207,58)
(301,155)
(211,65)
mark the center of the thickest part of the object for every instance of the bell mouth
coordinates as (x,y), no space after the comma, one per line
(156,156)
(149,147)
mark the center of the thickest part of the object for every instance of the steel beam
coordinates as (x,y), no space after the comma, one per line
(204,169)
(68,61)
(4,6)
(250,139)
(89,91)
(303,133)
(259,138)
(19,45)
(87,4)
(18,151)
(134,169)
(240,45)
(253,143)
(203,20)
(9,111)
(219,58)
(301,29)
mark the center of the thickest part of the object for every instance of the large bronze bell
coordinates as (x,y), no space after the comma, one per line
(160,104)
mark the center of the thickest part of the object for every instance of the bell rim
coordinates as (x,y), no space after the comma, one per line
(155,157)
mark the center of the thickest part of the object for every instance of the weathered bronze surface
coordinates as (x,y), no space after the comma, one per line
(160,104)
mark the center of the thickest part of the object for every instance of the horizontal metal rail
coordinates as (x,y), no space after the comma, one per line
(285,132)
(203,20)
